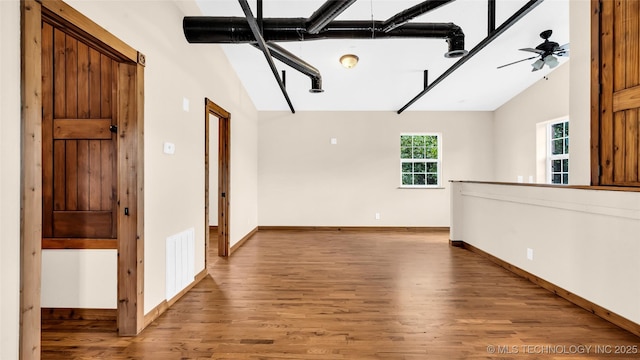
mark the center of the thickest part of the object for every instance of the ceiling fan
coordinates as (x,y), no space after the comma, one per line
(545,52)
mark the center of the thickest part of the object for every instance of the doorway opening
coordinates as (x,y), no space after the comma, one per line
(216,116)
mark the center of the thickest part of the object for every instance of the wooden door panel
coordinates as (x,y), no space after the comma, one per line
(70,167)
(82,224)
(82,129)
(79,148)
(620,93)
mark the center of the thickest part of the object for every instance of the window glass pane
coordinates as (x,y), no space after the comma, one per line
(419,179)
(557,130)
(418,152)
(556,165)
(556,147)
(407,167)
(566,146)
(565,179)
(432,179)
(407,179)
(419,167)
(418,140)
(432,147)
(565,165)
(566,129)
(405,140)
(432,167)
(405,153)
(556,179)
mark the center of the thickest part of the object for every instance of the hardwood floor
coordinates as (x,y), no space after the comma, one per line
(354,295)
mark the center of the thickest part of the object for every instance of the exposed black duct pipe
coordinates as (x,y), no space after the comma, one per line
(405,16)
(326,13)
(524,10)
(234,30)
(295,62)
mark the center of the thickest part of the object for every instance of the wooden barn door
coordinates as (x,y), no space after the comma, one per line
(79,152)
(617,118)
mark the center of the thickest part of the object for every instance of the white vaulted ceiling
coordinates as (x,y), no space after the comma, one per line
(391,71)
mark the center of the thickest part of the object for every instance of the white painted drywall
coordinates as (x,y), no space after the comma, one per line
(580,87)
(78,278)
(9,178)
(515,124)
(213,170)
(304,180)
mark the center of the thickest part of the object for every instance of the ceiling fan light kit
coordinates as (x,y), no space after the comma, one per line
(546,52)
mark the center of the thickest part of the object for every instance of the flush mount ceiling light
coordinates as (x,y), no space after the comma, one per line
(349,60)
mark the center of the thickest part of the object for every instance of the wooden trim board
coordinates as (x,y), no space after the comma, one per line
(357,228)
(80,314)
(155,313)
(607,315)
(239,244)
(31,180)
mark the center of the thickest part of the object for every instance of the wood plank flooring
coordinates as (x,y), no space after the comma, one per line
(354,295)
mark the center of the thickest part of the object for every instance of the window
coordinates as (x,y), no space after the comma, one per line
(558,150)
(420,160)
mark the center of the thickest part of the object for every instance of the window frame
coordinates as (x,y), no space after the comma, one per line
(437,161)
(551,157)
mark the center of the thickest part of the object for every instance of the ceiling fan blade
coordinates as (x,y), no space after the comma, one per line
(515,62)
(532,50)
(564,53)
(564,47)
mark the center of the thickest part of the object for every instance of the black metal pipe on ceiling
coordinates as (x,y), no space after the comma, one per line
(255,30)
(297,63)
(524,10)
(407,15)
(326,13)
(234,30)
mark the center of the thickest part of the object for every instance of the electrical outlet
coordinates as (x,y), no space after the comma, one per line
(529,253)
(377,216)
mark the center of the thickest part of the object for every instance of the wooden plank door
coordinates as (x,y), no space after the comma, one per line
(619,70)
(78,143)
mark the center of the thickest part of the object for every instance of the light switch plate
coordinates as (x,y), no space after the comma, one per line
(169,148)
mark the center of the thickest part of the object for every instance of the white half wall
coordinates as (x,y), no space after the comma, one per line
(9,178)
(584,241)
(304,180)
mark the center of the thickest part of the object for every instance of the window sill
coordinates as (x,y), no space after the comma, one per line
(422,187)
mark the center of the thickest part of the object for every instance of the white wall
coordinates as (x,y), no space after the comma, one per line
(580,87)
(213,170)
(584,241)
(515,124)
(9,178)
(306,181)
